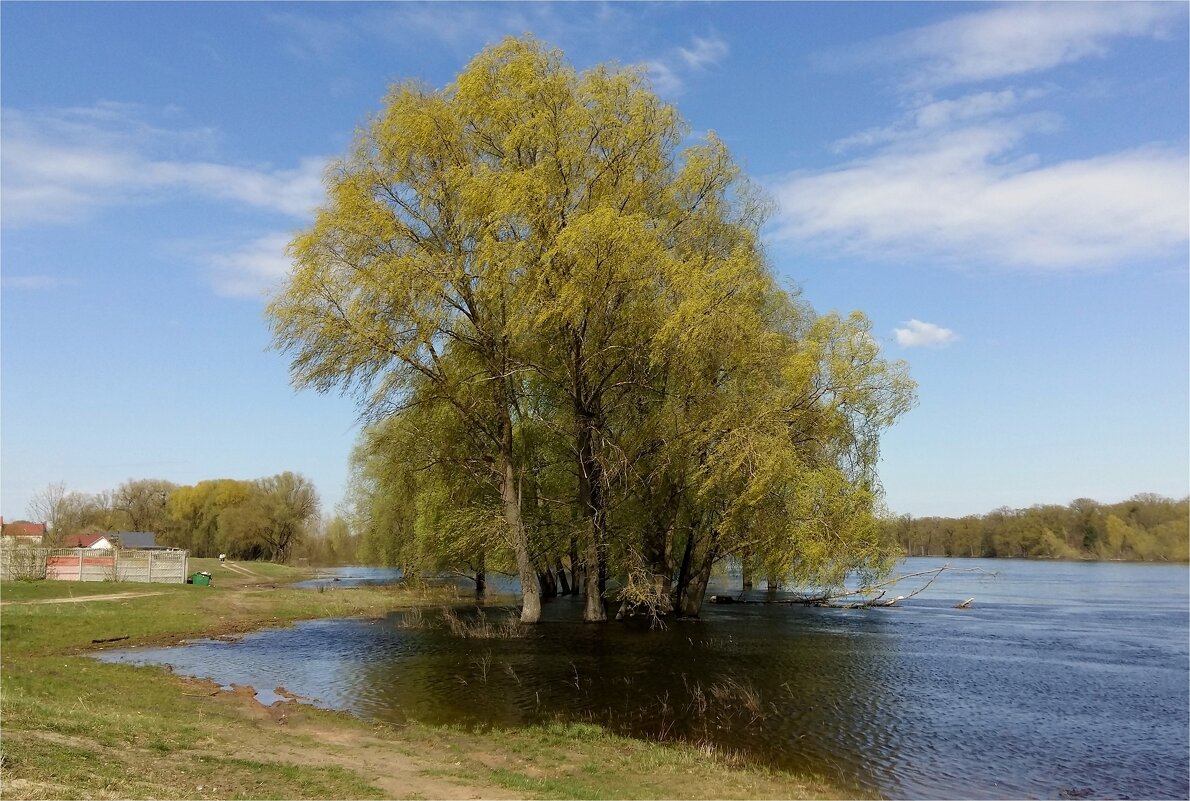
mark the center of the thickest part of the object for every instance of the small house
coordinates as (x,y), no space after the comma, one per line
(138,540)
(23,532)
(91,540)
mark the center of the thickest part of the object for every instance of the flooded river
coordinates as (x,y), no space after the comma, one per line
(1062,680)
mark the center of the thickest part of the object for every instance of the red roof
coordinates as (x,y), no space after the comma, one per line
(83,540)
(23,528)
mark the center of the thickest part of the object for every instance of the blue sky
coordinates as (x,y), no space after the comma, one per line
(1001,188)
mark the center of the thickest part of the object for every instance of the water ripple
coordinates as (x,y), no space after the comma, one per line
(1039,691)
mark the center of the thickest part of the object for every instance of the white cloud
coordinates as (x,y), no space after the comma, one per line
(917,334)
(953,180)
(703,53)
(295,192)
(941,113)
(928,114)
(254,270)
(1013,39)
(664,78)
(60,164)
(964,196)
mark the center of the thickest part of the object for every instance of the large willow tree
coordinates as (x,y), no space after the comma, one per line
(565,331)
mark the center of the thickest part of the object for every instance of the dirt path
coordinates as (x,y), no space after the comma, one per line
(400,769)
(114,596)
(238,569)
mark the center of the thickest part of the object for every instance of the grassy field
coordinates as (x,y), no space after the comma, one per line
(74,727)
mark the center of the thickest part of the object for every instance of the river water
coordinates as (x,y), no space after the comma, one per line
(1062,680)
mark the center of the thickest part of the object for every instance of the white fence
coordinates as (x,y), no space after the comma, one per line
(93,564)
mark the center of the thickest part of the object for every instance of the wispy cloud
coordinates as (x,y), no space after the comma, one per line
(917,334)
(670,73)
(462,28)
(955,180)
(703,53)
(954,197)
(35,282)
(312,37)
(62,164)
(1011,40)
(927,114)
(254,270)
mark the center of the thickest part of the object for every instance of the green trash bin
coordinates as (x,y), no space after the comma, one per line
(201,579)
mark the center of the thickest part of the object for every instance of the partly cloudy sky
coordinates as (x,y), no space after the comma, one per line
(1001,188)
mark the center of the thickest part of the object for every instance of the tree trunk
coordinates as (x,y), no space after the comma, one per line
(593,609)
(530,594)
(576,570)
(481,578)
(590,495)
(696,588)
(549,586)
(563,585)
(660,552)
(590,499)
(684,571)
(745,575)
(695,574)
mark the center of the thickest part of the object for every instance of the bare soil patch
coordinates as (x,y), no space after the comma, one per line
(300,738)
(114,596)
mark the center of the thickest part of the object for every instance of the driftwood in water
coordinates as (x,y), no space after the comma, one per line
(869,600)
(728,599)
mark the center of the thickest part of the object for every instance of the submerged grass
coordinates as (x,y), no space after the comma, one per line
(75,727)
(480,628)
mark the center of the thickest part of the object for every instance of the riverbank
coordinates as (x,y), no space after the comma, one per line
(75,727)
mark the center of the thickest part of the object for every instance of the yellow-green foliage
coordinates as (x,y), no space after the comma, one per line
(571,328)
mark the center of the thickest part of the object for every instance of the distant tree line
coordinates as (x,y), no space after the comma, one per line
(272,518)
(1144,528)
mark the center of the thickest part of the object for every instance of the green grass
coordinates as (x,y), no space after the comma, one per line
(81,772)
(18,591)
(75,727)
(549,787)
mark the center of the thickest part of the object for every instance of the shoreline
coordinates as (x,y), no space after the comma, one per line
(75,726)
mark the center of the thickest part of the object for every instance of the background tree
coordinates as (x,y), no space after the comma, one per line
(195,513)
(290,504)
(144,503)
(423,497)
(47,505)
(1145,527)
(75,512)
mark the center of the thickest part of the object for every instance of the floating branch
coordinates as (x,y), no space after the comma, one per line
(833,599)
